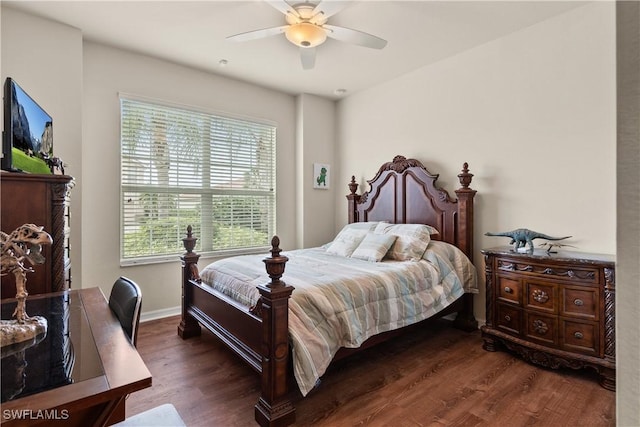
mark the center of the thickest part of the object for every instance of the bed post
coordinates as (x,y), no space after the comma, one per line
(188,327)
(465,319)
(353,200)
(465,212)
(274,407)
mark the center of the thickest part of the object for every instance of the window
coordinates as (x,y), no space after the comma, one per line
(184,167)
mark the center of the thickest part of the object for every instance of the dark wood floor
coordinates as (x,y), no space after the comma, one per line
(436,377)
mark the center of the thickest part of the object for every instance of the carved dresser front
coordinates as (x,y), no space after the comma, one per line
(555,310)
(43,200)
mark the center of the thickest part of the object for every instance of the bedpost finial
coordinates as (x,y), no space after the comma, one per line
(275,264)
(353,185)
(465,177)
(275,247)
(189,242)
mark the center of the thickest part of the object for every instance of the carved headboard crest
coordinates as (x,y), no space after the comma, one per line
(400,164)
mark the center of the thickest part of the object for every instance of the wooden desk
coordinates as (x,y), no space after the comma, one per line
(95,391)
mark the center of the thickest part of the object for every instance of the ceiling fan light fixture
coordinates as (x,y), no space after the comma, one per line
(305,34)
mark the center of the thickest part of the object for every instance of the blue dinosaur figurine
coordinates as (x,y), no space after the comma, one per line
(523,236)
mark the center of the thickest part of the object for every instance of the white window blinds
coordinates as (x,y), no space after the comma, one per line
(183,167)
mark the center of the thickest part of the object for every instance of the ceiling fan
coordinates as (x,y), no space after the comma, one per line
(307,28)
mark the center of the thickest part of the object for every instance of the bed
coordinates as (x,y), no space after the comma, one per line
(263,319)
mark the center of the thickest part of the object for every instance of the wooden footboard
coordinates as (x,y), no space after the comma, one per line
(260,337)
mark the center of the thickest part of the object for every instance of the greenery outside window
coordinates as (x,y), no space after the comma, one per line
(181,166)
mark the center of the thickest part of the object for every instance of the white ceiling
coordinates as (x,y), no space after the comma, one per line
(193,33)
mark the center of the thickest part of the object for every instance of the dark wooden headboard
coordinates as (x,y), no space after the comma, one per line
(405,192)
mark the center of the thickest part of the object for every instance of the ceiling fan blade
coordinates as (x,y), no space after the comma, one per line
(308,57)
(257,34)
(355,37)
(328,8)
(284,7)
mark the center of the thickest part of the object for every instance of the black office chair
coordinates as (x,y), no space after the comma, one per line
(125,301)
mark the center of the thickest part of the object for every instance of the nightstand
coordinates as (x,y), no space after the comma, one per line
(555,310)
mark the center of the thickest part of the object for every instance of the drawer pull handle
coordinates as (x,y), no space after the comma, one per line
(507,318)
(578,335)
(508,290)
(578,302)
(540,296)
(540,327)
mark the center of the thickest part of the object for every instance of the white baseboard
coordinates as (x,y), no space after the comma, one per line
(159,314)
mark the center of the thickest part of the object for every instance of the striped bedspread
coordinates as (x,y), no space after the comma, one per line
(341,302)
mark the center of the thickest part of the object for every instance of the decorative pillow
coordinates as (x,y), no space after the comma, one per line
(368,226)
(432,230)
(346,242)
(345,237)
(412,239)
(373,247)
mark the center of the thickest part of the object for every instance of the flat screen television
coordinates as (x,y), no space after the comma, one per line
(27,141)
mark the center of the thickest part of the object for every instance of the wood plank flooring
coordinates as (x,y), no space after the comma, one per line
(437,376)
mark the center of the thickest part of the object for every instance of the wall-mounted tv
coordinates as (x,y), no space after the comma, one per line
(28,132)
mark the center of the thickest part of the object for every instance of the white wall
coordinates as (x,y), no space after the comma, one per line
(108,71)
(628,267)
(315,143)
(45,59)
(532,113)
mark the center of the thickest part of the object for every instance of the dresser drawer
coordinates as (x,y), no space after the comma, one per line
(509,290)
(580,337)
(543,270)
(541,328)
(580,302)
(508,319)
(541,296)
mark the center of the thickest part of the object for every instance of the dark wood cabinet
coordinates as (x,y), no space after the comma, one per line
(42,200)
(555,310)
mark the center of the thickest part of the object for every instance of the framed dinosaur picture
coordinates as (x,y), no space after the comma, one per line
(321,176)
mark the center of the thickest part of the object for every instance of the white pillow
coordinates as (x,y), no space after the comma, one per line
(346,242)
(412,239)
(373,247)
(368,226)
